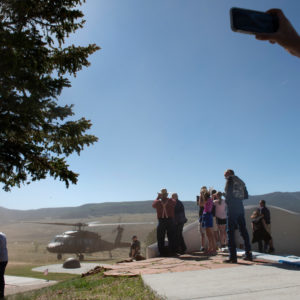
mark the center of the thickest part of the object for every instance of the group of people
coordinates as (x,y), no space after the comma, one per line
(212,220)
(219,220)
(171,219)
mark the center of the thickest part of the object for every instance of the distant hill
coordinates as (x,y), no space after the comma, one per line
(289,201)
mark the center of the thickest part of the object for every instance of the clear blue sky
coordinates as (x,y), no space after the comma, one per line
(175,98)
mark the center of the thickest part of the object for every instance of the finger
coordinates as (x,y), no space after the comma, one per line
(262,37)
(275,11)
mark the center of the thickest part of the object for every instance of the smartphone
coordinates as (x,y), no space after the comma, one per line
(252,22)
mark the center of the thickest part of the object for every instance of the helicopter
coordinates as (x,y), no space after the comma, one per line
(80,241)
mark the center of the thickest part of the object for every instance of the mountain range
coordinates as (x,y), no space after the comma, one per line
(286,200)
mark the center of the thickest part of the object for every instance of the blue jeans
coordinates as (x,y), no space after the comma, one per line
(234,222)
(165,226)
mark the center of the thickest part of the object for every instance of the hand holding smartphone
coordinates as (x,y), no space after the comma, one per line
(272,26)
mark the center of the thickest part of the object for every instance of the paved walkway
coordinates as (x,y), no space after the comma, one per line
(58,268)
(239,282)
(17,284)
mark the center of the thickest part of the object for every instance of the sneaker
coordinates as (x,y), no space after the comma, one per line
(202,249)
(225,250)
(230,261)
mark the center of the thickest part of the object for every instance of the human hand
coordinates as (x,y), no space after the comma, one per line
(286,35)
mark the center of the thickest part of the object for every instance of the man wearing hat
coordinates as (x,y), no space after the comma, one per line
(165,209)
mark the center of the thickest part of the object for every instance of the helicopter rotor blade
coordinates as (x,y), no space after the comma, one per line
(115,224)
(62,224)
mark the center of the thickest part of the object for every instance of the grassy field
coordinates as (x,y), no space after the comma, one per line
(27,241)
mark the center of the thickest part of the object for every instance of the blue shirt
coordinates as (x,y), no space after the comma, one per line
(3,249)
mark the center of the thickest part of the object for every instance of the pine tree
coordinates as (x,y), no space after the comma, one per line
(36,134)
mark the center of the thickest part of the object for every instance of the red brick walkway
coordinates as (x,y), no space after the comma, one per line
(187,262)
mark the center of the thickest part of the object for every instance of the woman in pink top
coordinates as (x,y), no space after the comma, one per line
(207,223)
(221,216)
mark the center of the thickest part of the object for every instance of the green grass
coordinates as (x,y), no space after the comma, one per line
(26,271)
(92,287)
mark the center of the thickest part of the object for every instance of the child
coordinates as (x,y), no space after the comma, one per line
(259,229)
(207,223)
(220,206)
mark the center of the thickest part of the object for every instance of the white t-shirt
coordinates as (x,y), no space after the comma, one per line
(220,209)
(3,249)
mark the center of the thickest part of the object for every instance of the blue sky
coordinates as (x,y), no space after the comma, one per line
(175,98)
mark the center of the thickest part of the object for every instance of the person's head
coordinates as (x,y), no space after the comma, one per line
(163,194)
(228,173)
(262,203)
(134,238)
(255,214)
(203,189)
(175,196)
(219,196)
(213,194)
(206,195)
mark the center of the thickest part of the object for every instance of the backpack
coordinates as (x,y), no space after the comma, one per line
(239,188)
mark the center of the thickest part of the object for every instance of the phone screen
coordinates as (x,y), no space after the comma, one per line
(250,21)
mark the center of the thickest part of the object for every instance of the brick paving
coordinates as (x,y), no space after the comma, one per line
(188,262)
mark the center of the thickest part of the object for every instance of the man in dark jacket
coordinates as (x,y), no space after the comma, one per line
(165,209)
(235,193)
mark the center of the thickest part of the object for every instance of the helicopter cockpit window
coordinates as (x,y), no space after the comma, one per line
(57,239)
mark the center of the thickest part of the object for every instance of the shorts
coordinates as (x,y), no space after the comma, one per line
(221,221)
(207,220)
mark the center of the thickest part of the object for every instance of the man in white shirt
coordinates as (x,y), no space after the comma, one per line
(3,262)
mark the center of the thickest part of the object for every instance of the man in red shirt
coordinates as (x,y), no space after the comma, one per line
(165,209)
